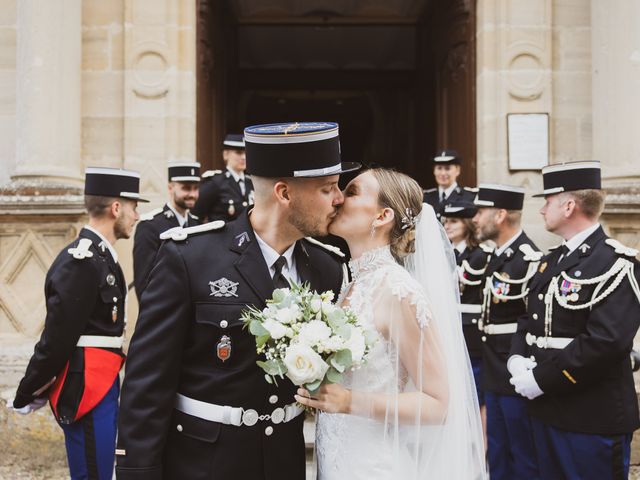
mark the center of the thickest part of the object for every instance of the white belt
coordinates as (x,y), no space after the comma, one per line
(100,341)
(469,308)
(500,328)
(548,342)
(234,415)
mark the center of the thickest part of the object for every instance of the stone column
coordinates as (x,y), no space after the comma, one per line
(48,80)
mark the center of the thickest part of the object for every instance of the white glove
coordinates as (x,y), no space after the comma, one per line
(526,385)
(517,364)
(27,409)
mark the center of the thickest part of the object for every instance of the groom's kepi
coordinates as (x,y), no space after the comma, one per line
(305,150)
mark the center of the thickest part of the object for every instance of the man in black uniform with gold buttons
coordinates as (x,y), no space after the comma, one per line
(77,359)
(570,356)
(225,194)
(184,179)
(512,264)
(194,403)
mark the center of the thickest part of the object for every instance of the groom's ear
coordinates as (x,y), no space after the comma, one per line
(282,191)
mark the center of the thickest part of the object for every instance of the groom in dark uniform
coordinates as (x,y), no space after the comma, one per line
(513,263)
(584,311)
(194,403)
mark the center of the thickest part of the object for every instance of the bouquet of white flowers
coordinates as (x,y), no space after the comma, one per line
(306,337)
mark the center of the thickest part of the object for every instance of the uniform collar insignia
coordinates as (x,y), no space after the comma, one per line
(223,287)
(508,252)
(168,213)
(242,238)
(584,248)
(102,246)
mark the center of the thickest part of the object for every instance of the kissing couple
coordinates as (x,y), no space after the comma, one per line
(194,404)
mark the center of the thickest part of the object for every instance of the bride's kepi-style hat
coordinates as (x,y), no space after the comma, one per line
(304,150)
(570,176)
(500,196)
(112,182)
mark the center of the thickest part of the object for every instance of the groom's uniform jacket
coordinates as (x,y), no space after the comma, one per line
(194,298)
(505,286)
(587,383)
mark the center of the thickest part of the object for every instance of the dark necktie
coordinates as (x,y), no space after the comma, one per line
(442,197)
(242,187)
(279,280)
(565,251)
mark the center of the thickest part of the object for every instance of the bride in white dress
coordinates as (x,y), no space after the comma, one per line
(411,411)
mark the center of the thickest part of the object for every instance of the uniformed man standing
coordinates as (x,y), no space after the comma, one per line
(513,263)
(570,356)
(184,180)
(224,195)
(472,258)
(194,403)
(446,170)
(77,359)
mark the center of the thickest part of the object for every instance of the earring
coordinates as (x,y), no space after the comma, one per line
(373,230)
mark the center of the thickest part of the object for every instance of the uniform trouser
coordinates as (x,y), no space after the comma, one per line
(476,366)
(91,441)
(570,455)
(511,448)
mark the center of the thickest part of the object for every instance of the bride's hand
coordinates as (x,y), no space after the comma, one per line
(331,398)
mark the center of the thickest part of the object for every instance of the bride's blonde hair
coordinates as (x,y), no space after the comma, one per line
(403,195)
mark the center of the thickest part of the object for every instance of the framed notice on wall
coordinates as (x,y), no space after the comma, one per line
(528,140)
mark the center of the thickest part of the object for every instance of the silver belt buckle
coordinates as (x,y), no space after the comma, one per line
(277,416)
(250,417)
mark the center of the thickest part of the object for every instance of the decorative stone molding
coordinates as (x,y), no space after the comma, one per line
(150,68)
(527,78)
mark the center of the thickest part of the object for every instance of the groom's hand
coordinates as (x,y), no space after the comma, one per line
(331,398)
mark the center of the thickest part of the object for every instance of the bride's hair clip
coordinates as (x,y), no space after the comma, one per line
(409,220)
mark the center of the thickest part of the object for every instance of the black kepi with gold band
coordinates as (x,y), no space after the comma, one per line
(113,182)
(184,171)
(305,150)
(570,176)
(500,196)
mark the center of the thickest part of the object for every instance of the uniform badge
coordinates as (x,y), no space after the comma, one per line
(232,209)
(543,267)
(223,288)
(569,290)
(111,280)
(114,313)
(223,349)
(242,238)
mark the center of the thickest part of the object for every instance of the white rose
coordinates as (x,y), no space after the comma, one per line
(328,308)
(275,329)
(303,364)
(333,344)
(356,344)
(288,314)
(314,332)
(316,304)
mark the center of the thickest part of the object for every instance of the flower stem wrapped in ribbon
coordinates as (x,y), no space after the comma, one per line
(302,335)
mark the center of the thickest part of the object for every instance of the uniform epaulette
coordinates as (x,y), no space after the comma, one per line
(82,250)
(210,173)
(621,249)
(429,190)
(330,248)
(177,234)
(486,248)
(472,189)
(530,255)
(150,215)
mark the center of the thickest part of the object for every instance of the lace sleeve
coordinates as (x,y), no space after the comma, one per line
(403,287)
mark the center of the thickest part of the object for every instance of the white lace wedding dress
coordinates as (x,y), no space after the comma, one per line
(357,447)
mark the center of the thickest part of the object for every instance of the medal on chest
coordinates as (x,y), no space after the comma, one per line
(501,288)
(223,349)
(569,290)
(232,209)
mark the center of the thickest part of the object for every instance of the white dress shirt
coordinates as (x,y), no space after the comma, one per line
(112,250)
(181,220)
(446,191)
(579,238)
(499,251)
(270,256)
